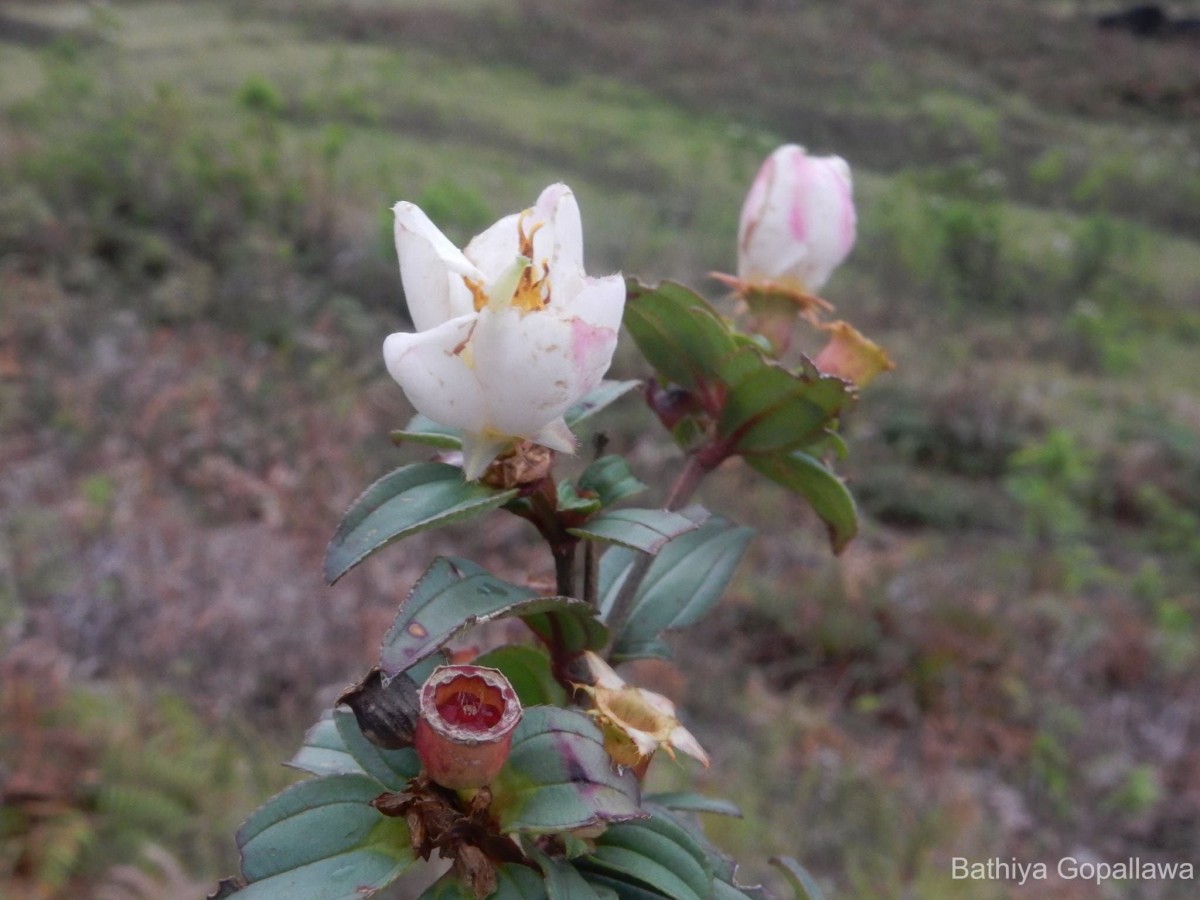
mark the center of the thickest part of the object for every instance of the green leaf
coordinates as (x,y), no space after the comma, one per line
(563,880)
(678,332)
(574,628)
(619,887)
(683,583)
(391,768)
(411,499)
(824,491)
(688,801)
(528,671)
(657,852)
(769,408)
(647,530)
(324,752)
(451,596)
(320,840)
(683,813)
(725,890)
(423,430)
(610,479)
(513,882)
(803,884)
(559,776)
(604,394)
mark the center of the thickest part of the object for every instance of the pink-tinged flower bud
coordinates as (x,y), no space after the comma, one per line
(798,221)
(464,733)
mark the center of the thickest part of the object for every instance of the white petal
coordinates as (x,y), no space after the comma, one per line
(592,348)
(683,740)
(525,367)
(556,436)
(431,269)
(645,743)
(557,207)
(603,675)
(600,302)
(774,239)
(434,369)
(658,703)
(752,208)
(495,249)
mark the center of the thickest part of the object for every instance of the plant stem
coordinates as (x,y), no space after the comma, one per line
(591,573)
(564,567)
(686,482)
(544,516)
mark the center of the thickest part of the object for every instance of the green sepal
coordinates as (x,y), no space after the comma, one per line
(409,500)
(825,492)
(559,776)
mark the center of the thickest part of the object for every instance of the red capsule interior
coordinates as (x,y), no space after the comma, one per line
(469,703)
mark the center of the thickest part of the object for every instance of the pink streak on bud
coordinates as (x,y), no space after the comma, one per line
(590,346)
(755,200)
(848,222)
(806,178)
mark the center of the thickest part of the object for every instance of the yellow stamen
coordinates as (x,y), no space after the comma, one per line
(526,240)
(478,293)
(532,293)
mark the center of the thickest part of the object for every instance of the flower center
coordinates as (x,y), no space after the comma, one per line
(533,290)
(627,709)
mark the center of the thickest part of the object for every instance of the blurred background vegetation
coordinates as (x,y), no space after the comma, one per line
(196,273)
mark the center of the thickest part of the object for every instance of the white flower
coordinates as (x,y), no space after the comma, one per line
(798,221)
(510,331)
